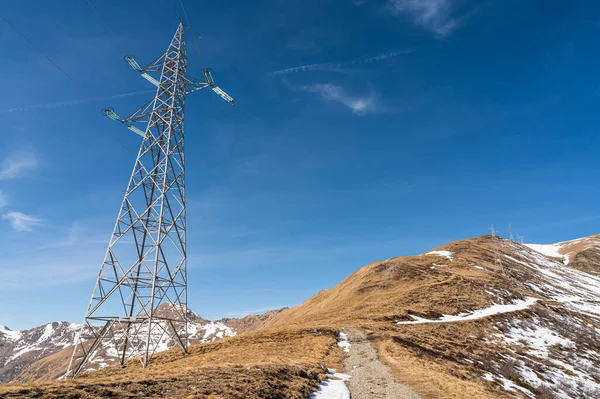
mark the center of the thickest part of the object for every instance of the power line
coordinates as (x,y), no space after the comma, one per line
(256,118)
(112,35)
(259,120)
(197,48)
(118,43)
(269,127)
(235,133)
(245,110)
(176,11)
(87,93)
(114,133)
(106,26)
(187,20)
(226,174)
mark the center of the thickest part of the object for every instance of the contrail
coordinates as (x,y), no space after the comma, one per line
(381,57)
(61,104)
(133,93)
(307,68)
(333,65)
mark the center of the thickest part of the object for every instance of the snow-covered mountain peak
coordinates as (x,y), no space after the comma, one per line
(8,333)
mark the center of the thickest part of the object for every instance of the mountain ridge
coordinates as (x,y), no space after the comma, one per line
(482,317)
(422,307)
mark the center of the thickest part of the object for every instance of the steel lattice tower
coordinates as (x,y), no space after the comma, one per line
(145,263)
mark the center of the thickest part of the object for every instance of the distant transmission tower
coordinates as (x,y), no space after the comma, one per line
(497,260)
(145,263)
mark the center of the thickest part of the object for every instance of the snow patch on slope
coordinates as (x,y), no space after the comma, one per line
(551,250)
(343,342)
(477,314)
(333,387)
(444,253)
(576,290)
(536,338)
(552,352)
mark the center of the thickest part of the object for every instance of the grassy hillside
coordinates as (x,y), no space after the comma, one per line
(521,324)
(274,364)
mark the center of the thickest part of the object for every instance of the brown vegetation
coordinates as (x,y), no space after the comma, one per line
(285,358)
(275,364)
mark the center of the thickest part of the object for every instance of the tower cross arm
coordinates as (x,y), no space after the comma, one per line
(115,117)
(152,67)
(194,84)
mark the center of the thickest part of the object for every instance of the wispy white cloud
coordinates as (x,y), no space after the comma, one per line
(15,166)
(77,235)
(331,66)
(57,256)
(18,165)
(21,222)
(61,104)
(433,15)
(329,92)
(50,270)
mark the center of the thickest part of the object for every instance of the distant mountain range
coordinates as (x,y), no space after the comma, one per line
(19,350)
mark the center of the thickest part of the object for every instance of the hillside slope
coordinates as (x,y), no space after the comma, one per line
(453,318)
(477,318)
(582,254)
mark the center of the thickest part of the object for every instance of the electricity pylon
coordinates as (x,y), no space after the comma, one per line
(145,263)
(495,243)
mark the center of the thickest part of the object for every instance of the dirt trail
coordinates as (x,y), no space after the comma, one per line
(371,379)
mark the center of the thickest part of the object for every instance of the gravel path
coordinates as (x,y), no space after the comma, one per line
(371,379)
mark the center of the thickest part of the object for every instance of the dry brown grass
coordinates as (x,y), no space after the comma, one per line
(261,364)
(436,360)
(428,357)
(231,381)
(372,298)
(431,377)
(389,290)
(254,348)
(584,254)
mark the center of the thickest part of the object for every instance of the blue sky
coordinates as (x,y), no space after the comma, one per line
(397,126)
